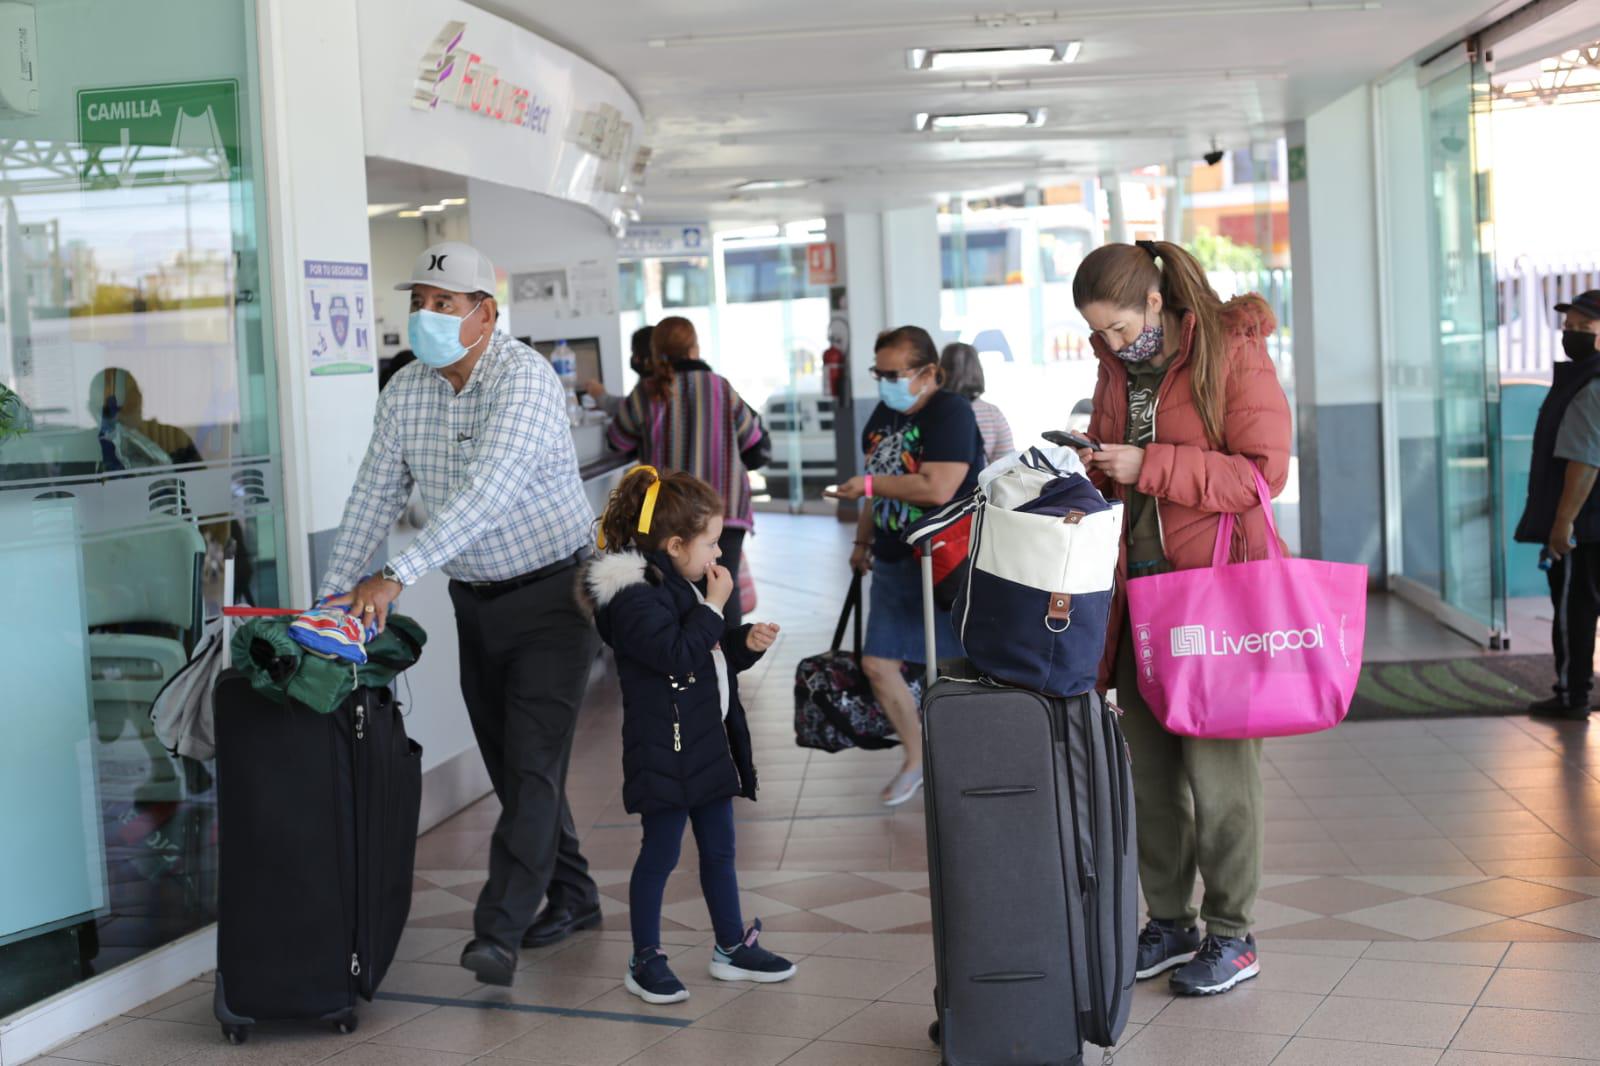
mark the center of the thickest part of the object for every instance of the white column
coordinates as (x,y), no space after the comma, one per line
(1337,354)
(1112,184)
(911,281)
(1175,194)
(316,182)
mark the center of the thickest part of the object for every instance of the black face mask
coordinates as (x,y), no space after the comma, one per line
(1578,344)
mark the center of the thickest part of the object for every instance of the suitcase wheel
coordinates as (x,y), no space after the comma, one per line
(933,1031)
(236,1034)
(344,1024)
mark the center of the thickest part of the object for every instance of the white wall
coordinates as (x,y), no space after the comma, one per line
(521,230)
(396,242)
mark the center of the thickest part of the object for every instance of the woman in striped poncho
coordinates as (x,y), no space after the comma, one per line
(686,416)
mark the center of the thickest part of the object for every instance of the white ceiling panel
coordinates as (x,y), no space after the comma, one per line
(739,90)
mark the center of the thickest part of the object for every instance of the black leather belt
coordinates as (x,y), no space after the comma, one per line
(489,590)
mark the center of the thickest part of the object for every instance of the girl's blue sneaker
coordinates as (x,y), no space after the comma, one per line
(652,980)
(749,961)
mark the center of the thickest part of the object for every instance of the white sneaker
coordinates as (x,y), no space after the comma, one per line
(906,784)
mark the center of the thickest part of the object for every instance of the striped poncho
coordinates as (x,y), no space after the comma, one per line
(701,429)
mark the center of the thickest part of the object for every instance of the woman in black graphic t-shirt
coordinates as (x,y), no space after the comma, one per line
(922,450)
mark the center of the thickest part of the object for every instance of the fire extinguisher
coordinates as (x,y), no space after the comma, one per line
(832,371)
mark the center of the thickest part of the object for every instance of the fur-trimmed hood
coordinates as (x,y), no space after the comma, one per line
(682,746)
(605,576)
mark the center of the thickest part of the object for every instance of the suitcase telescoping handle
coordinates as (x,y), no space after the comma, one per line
(929,637)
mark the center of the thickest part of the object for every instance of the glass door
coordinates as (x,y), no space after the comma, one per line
(1471,568)
(138,439)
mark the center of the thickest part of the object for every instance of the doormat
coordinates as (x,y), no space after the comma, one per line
(1452,688)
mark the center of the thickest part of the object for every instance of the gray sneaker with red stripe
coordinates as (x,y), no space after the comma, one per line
(1221,963)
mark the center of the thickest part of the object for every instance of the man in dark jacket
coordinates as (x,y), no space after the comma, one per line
(1562,512)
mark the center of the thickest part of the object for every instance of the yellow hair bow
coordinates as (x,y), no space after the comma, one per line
(647,511)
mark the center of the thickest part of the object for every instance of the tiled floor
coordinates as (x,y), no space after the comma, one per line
(1432,897)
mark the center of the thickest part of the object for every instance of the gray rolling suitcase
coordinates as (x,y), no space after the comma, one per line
(1032,861)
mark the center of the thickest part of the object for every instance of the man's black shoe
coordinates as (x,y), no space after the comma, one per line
(492,964)
(1557,707)
(555,924)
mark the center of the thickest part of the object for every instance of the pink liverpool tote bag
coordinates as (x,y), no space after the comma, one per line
(1262,649)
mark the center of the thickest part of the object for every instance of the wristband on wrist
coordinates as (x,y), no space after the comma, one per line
(867,486)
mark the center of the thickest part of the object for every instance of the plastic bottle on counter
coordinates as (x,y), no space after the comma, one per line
(565,362)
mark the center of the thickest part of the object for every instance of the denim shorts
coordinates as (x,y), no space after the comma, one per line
(894,617)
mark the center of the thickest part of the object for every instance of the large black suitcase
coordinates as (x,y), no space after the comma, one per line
(1033,867)
(317,843)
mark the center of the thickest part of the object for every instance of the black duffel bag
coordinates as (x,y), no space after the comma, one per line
(834,707)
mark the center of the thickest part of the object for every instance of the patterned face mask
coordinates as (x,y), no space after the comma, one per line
(1145,347)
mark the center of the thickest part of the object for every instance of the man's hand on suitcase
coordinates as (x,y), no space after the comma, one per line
(370,601)
(762,636)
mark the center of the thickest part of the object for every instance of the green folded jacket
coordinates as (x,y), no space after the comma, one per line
(277,666)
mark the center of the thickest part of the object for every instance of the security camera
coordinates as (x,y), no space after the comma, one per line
(1213,157)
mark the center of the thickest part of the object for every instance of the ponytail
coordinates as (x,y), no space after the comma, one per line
(672,340)
(1124,275)
(666,506)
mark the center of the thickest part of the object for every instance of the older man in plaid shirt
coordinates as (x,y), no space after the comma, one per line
(479,425)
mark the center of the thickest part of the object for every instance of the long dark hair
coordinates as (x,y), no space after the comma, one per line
(685,506)
(639,359)
(1123,275)
(672,341)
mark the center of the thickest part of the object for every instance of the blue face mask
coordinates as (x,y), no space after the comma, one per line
(436,337)
(897,395)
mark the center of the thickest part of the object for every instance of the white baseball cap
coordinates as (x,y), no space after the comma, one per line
(454,267)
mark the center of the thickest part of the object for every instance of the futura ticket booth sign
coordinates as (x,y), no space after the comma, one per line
(451,74)
(449,86)
(172,134)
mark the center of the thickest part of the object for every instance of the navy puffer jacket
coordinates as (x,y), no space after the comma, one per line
(677,752)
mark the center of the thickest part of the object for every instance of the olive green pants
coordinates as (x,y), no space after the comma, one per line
(1199,809)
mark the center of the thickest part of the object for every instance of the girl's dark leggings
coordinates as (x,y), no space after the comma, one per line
(658,857)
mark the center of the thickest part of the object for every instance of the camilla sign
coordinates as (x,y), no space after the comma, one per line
(454,75)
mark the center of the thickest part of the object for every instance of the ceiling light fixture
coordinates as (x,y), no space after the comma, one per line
(750,233)
(980,120)
(453,201)
(1032,21)
(771,184)
(410,214)
(430,208)
(374,210)
(805,228)
(992,58)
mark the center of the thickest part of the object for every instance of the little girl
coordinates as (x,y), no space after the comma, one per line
(686,748)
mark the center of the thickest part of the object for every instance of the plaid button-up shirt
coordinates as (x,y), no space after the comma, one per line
(495,465)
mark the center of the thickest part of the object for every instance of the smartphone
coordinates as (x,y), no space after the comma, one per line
(1070,440)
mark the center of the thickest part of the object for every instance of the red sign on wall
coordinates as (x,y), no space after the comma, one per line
(822,263)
